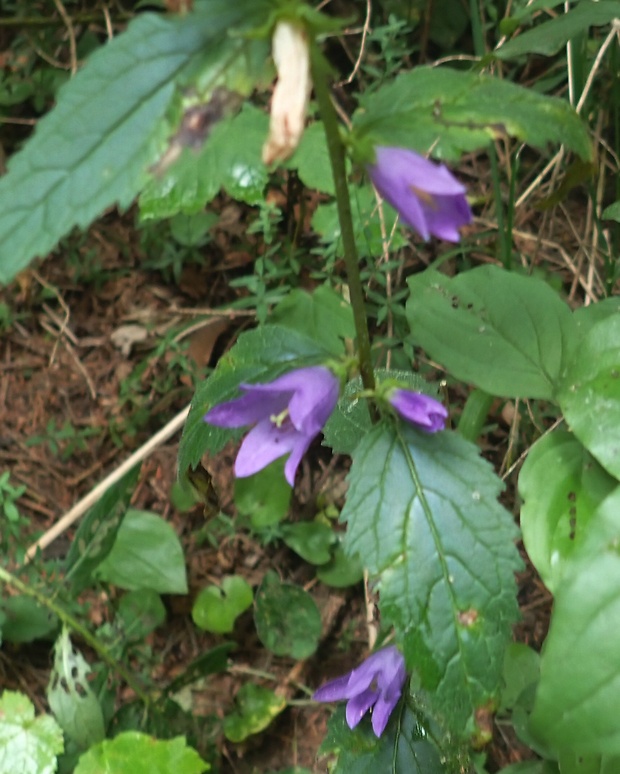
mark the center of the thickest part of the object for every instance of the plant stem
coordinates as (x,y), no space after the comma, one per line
(320,75)
(73,624)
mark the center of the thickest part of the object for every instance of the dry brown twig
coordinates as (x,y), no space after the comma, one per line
(80,508)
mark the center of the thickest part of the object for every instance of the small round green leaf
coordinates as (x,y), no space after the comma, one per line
(311,540)
(287,619)
(264,497)
(341,571)
(256,708)
(217,607)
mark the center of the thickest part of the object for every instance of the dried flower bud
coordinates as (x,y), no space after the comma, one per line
(292,91)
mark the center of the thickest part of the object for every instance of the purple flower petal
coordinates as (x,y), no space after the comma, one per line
(302,445)
(359,705)
(426,195)
(288,414)
(424,412)
(376,683)
(246,410)
(381,713)
(334,690)
(264,444)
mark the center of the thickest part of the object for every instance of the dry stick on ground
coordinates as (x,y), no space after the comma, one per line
(80,508)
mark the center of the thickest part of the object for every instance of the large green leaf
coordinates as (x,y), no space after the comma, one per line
(590,393)
(139,753)
(405,746)
(229,159)
(28,745)
(311,160)
(452,111)
(260,355)
(147,554)
(549,37)
(509,335)
(94,148)
(24,620)
(587,316)
(532,767)
(576,763)
(423,514)
(561,485)
(578,700)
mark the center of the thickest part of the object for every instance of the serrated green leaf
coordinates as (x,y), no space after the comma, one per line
(550,36)
(406,745)
(28,745)
(561,486)
(230,159)
(71,699)
(578,702)
(350,422)
(311,160)
(509,335)
(260,355)
(256,707)
(454,111)
(190,230)
(422,512)
(94,148)
(146,554)
(590,393)
(141,754)
(287,619)
(217,607)
(322,315)
(97,532)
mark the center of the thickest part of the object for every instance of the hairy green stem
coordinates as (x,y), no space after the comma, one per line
(320,75)
(69,621)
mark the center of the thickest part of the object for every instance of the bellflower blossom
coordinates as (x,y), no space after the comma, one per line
(421,410)
(287,415)
(426,195)
(377,683)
